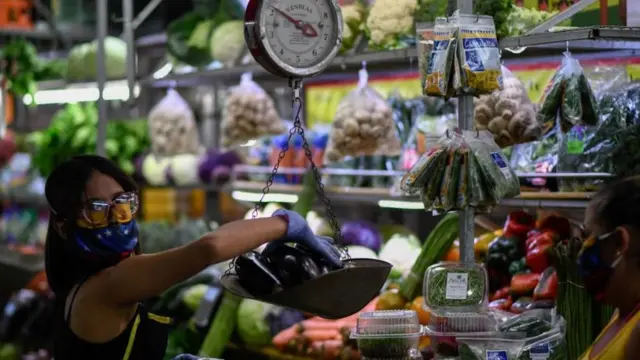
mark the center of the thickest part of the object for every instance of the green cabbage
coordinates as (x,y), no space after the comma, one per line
(83,65)
(227,42)
(253,327)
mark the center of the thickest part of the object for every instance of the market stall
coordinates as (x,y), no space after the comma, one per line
(469,183)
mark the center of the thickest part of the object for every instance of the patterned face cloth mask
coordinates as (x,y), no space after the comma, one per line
(108,227)
(596,272)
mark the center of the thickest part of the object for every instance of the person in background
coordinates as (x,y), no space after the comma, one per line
(610,265)
(95,266)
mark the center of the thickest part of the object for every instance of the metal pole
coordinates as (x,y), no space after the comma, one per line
(102,20)
(129,38)
(465,122)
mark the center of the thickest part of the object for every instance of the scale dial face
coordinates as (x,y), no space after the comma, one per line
(301,37)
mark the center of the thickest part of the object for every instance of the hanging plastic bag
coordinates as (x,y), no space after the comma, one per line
(578,101)
(415,179)
(441,59)
(172,127)
(508,113)
(249,113)
(498,179)
(479,54)
(363,125)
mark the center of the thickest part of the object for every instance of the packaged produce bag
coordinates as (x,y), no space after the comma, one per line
(439,71)
(568,97)
(478,54)
(363,125)
(496,179)
(249,113)
(508,113)
(172,127)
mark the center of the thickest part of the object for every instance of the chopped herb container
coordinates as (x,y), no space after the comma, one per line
(388,335)
(450,286)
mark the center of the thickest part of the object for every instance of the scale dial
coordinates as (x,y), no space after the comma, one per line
(294,38)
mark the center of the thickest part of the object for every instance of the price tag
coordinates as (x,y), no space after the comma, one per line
(457,286)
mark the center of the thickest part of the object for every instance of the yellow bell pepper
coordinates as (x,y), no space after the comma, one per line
(481,244)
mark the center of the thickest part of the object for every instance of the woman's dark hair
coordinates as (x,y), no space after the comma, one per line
(65,192)
(618,204)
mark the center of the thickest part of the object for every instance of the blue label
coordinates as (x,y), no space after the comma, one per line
(499,160)
(496,355)
(542,349)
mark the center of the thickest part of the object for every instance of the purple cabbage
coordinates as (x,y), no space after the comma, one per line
(362,233)
(213,160)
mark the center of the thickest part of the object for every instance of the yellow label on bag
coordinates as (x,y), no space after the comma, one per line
(480,58)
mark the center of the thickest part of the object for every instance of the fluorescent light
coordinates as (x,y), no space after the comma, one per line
(271,197)
(406,205)
(115,90)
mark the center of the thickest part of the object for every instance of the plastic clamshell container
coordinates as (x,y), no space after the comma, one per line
(387,335)
(450,286)
(459,323)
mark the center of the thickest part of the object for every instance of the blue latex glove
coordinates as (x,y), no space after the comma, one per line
(298,231)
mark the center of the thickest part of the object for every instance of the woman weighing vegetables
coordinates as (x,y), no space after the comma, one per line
(610,264)
(99,275)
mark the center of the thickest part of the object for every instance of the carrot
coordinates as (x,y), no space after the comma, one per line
(283,338)
(322,334)
(330,349)
(312,324)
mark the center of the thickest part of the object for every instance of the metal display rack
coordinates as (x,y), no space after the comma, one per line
(539,40)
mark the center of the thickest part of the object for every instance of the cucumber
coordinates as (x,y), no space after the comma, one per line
(433,250)
(222,327)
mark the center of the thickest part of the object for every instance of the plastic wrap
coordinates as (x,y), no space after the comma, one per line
(363,125)
(441,59)
(498,179)
(569,97)
(537,157)
(172,127)
(249,113)
(478,55)
(590,149)
(508,113)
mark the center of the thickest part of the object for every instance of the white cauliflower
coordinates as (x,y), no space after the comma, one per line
(388,21)
(353,17)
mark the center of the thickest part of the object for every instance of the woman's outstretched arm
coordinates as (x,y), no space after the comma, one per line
(144,276)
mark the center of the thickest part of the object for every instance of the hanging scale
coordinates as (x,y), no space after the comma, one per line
(295,39)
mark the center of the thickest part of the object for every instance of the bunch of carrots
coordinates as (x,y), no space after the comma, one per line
(321,338)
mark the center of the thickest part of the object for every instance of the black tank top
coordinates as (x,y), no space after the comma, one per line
(145,338)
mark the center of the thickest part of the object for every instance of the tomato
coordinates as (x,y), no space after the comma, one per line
(419,307)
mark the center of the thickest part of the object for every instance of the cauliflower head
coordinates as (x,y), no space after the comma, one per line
(388,20)
(352,22)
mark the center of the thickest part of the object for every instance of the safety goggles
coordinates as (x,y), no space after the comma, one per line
(99,213)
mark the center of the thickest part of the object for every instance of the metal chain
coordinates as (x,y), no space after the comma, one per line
(297,129)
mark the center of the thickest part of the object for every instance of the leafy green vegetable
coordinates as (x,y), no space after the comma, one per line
(178,44)
(21,64)
(499,10)
(73,132)
(438,283)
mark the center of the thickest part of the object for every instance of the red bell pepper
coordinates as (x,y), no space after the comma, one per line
(547,289)
(538,258)
(518,224)
(555,223)
(501,294)
(524,284)
(539,239)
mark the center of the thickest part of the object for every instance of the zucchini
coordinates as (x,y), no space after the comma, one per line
(433,250)
(222,327)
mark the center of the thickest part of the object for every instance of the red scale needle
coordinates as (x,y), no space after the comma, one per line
(307,29)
